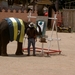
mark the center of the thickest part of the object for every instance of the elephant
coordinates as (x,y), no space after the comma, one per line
(5,37)
(40,12)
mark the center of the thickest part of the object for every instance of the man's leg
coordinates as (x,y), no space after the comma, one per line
(29,44)
(33,44)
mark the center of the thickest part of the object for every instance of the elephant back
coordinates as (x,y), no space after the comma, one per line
(16,29)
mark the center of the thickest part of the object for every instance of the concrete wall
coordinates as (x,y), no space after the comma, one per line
(23,15)
(18,14)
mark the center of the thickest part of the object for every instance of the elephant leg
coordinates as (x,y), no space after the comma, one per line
(0,45)
(0,49)
(19,49)
(4,42)
(4,50)
(4,37)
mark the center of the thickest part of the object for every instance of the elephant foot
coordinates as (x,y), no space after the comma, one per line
(0,52)
(4,54)
(19,53)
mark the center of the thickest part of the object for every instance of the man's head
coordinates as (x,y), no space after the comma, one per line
(31,25)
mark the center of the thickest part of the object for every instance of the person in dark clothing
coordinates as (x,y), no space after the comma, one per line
(32,37)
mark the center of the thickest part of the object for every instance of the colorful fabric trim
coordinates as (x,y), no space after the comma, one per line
(42,25)
(16,29)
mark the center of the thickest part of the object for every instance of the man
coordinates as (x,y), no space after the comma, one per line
(32,37)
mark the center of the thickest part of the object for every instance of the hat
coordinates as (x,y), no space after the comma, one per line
(31,25)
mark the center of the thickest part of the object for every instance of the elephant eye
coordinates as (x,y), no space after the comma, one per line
(40,23)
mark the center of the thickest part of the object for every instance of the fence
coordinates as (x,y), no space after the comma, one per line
(69,18)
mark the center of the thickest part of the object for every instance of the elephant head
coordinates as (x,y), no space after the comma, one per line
(5,35)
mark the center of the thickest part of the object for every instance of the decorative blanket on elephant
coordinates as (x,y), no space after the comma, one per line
(16,29)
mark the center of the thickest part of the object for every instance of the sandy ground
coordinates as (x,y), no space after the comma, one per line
(55,64)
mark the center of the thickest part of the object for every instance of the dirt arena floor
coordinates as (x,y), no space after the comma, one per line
(55,64)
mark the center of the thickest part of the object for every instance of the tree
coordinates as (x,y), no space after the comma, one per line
(10,2)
